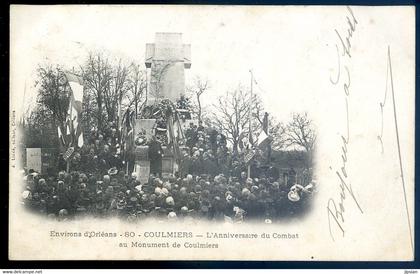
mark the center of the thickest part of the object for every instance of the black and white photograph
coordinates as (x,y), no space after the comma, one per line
(203,132)
(160,152)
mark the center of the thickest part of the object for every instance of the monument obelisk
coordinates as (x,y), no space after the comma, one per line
(167,58)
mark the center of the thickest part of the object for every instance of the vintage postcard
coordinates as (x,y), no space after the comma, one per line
(212,132)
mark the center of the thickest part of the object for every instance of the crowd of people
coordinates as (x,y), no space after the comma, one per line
(210,184)
(77,194)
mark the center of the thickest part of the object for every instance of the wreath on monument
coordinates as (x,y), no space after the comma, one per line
(184,108)
(160,111)
(141,139)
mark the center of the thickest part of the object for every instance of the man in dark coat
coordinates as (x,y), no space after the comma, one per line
(155,157)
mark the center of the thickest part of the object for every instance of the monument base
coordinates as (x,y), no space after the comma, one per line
(142,163)
(142,169)
(168,162)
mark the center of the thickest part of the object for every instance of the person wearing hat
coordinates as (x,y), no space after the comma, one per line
(112,171)
(63,215)
(89,160)
(91,184)
(184,211)
(165,192)
(217,208)
(99,209)
(169,204)
(159,197)
(186,162)
(243,178)
(191,136)
(172,217)
(105,159)
(73,193)
(76,161)
(148,186)
(150,206)
(193,201)
(37,204)
(203,211)
(120,203)
(131,182)
(132,203)
(106,180)
(239,214)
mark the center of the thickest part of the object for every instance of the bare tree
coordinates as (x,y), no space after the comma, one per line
(197,89)
(53,96)
(300,132)
(108,81)
(97,74)
(115,90)
(231,116)
(137,87)
(277,132)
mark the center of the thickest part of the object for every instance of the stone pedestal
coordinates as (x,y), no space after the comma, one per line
(142,163)
(168,162)
(142,169)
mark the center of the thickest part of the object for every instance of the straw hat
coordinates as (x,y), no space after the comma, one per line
(293,196)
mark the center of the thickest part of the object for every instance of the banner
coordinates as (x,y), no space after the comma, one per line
(73,125)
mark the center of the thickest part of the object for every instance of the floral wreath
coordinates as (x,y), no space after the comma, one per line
(141,138)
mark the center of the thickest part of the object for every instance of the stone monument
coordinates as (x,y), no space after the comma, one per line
(167,59)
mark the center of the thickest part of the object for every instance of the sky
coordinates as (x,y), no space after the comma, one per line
(226,42)
(291,50)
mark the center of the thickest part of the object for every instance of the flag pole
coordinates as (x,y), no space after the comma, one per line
(249,118)
(71,135)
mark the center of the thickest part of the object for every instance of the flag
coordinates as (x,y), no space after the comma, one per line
(265,123)
(61,137)
(73,125)
(59,133)
(127,130)
(80,140)
(250,139)
(174,131)
(130,134)
(262,139)
(76,86)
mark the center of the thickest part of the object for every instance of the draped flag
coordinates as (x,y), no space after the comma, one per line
(73,122)
(175,134)
(263,139)
(61,137)
(127,130)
